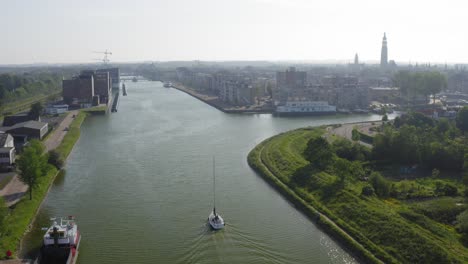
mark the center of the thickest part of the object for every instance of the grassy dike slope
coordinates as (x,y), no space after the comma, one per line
(17,222)
(381,230)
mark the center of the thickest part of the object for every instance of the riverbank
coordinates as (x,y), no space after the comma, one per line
(307,204)
(22,215)
(373,228)
(215,102)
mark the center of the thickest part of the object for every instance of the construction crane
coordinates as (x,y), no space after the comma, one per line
(105,60)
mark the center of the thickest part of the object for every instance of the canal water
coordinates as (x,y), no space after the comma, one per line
(139,183)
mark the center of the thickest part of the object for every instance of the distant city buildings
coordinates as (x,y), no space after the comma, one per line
(342,91)
(290,83)
(234,89)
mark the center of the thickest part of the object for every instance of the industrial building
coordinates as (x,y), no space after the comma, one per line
(90,87)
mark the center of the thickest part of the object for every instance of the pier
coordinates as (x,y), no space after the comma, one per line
(124,90)
(115,103)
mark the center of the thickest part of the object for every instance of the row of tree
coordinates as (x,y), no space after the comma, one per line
(412,139)
(15,87)
(415,139)
(415,84)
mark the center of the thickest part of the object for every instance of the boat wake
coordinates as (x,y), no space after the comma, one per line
(230,245)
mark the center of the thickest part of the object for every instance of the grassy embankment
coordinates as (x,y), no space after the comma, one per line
(390,230)
(18,219)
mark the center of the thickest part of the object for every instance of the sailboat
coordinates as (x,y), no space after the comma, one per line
(215,219)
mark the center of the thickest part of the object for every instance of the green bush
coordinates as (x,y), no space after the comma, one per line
(381,185)
(55,159)
(367,190)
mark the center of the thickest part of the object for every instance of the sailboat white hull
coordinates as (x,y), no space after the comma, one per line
(216,221)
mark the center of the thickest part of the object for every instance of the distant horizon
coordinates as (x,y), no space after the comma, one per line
(64,32)
(305,62)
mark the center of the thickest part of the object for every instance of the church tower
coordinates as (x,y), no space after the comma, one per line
(383,54)
(356,59)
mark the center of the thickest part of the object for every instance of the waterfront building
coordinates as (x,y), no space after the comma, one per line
(7,151)
(88,88)
(114,75)
(79,90)
(102,86)
(237,93)
(288,83)
(384,52)
(346,92)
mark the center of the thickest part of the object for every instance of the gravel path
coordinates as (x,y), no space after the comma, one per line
(56,138)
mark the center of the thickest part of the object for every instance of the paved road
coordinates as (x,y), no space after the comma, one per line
(15,189)
(346,130)
(56,138)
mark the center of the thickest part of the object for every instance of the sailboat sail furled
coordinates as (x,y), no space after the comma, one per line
(215,220)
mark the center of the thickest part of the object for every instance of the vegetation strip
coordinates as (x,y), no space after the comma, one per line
(255,161)
(398,213)
(15,222)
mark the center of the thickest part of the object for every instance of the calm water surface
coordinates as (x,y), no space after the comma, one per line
(140,185)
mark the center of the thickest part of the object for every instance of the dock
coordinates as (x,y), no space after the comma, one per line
(124,90)
(115,103)
(215,102)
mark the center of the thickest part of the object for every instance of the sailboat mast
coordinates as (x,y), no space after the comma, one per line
(214,188)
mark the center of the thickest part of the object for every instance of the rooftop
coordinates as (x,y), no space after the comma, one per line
(29,124)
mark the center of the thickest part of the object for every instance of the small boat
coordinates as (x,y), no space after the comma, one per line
(215,219)
(61,242)
(167,84)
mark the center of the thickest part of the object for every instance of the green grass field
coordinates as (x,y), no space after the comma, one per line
(395,231)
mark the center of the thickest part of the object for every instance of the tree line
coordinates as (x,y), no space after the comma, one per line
(15,87)
(415,84)
(412,140)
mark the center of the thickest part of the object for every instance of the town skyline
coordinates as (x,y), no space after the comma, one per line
(246,30)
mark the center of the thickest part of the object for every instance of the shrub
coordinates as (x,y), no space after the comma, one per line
(367,190)
(55,159)
(381,185)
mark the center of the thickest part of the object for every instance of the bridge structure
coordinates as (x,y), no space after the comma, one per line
(131,78)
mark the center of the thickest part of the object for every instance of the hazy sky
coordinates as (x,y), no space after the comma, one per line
(68,31)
